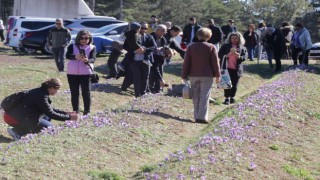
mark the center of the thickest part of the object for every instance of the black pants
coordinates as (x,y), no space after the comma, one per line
(75,82)
(1,35)
(140,73)
(112,62)
(156,74)
(234,80)
(277,55)
(303,57)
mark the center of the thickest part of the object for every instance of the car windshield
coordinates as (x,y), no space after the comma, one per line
(105,29)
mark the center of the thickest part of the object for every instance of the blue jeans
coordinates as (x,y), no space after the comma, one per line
(23,129)
(251,50)
(58,54)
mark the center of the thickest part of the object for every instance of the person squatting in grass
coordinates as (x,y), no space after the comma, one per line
(81,55)
(201,65)
(35,112)
(235,54)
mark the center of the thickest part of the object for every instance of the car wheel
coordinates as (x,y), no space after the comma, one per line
(46,49)
(29,50)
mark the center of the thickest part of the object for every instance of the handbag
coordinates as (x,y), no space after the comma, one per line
(186,91)
(225,82)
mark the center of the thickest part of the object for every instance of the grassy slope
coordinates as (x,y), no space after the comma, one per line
(134,139)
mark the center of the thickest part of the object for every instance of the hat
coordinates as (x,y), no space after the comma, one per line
(134,26)
(154,16)
(231,20)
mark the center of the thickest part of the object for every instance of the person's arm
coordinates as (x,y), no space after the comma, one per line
(45,107)
(92,55)
(243,55)
(49,38)
(220,35)
(68,38)
(215,62)
(69,54)
(186,65)
(174,45)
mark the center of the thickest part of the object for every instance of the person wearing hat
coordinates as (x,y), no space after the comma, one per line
(153,24)
(34,112)
(227,29)
(216,37)
(190,31)
(301,45)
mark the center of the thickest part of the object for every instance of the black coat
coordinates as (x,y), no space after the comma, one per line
(217,34)
(251,40)
(276,42)
(187,32)
(228,29)
(35,104)
(149,43)
(225,49)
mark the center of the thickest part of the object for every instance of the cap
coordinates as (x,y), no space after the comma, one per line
(134,26)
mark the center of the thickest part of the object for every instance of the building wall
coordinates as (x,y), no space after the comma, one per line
(51,8)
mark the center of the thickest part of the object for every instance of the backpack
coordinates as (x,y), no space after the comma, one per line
(13,100)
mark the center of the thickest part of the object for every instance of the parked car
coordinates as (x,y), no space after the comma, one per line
(103,44)
(90,24)
(20,24)
(315,51)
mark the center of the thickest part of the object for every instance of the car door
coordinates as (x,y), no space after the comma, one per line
(115,33)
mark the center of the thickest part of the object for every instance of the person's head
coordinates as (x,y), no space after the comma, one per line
(135,27)
(83,38)
(235,38)
(251,27)
(192,20)
(230,22)
(298,27)
(168,24)
(154,19)
(210,22)
(59,23)
(52,85)
(175,31)
(204,34)
(270,29)
(144,27)
(160,30)
(261,25)
(285,23)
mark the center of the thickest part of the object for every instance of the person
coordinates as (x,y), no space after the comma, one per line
(251,41)
(229,28)
(58,39)
(287,31)
(235,53)
(156,81)
(34,112)
(153,24)
(1,30)
(173,44)
(261,32)
(301,45)
(168,24)
(139,69)
(276,41)
(190,30)
(81,55)
(201,65)
(217,34)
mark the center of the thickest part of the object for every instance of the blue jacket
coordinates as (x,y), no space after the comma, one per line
(305,39)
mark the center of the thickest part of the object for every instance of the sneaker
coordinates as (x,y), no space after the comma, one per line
(121,67)
(226,101)
(232,100)
(200,121)
(13,134)
(147,62)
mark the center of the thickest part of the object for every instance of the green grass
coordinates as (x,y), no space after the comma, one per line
(122,152)
(274,147)
(300,173)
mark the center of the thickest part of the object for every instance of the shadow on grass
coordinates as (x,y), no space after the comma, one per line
(162,115)
(48,57)
(110,88)
(174,69)
(5,139)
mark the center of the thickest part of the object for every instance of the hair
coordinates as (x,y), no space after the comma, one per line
(241,39)
(176,28)
(262,24)
(192,19)
(204,34)
(82,32)
(285,23)
(161,27)
(144,23)
(299,25)
(59,19)
(51,83)
(251,25)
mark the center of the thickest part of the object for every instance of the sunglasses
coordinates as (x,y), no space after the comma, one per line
(84,38)
(58,23)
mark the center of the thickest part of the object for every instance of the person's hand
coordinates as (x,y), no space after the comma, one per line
(163,84)
(74,116)
(85,59)
(218,79)
(237,55)
(78,57)
(139,51)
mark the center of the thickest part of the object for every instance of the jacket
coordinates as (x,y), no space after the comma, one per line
(217,34)
(201,60)
(77,67)
(150,45)
(305,39)
(187,32)
(225,49)
(227,30)
(59,37)
(33,106)
(251,40)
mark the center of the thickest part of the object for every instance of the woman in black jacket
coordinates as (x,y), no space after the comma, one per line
(34,111)
(251,38)
(235,53)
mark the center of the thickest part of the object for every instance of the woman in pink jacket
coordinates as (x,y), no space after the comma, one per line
(81,55)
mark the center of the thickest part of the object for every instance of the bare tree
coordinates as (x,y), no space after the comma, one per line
(121,10)
(92,4)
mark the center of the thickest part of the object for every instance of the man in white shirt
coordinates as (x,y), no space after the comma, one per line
(1,30)
(190,31)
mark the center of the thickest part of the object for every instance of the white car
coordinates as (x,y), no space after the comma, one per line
(315,50)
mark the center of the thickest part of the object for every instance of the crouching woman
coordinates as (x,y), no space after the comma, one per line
(34,111)
(201,65)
